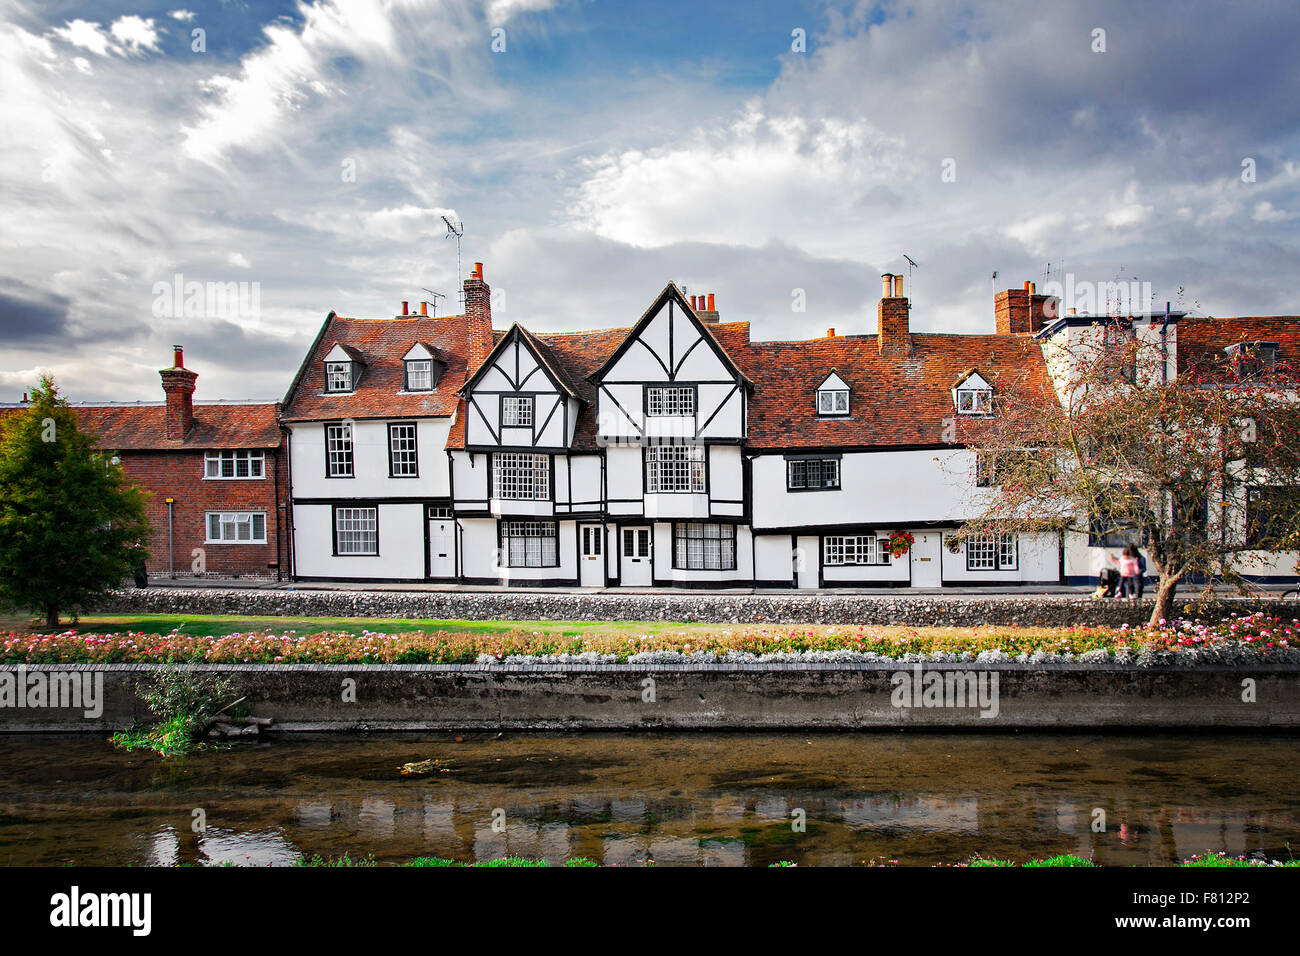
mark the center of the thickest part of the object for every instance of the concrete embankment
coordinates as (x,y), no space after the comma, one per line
(876,696)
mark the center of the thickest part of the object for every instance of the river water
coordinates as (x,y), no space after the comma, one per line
(673,798)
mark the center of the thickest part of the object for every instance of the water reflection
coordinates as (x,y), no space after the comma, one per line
(627,800)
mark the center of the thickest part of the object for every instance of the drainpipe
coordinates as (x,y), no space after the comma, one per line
(1164,348)
(171,567)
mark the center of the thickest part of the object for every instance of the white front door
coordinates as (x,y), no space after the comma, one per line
(637,571)
(591,558)
(927,571)
(807,559)
(442,543)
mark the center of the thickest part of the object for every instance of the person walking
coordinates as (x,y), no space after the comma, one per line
(1128,572)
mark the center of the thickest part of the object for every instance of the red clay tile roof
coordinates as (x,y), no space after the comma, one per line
(141,427)
(1204,339)
(897,398)
(383,343)
(576,355)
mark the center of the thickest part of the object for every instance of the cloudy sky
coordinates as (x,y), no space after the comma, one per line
(596,150)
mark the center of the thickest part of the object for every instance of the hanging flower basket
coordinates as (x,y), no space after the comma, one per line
(899,542)
(953,544)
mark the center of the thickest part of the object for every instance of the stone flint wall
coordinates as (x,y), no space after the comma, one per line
(826,608)
(709,696)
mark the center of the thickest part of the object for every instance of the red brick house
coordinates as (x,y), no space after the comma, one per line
(218,484)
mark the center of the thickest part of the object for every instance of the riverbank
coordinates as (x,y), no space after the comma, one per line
(981,695)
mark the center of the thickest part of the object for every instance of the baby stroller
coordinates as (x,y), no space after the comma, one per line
(1108,582)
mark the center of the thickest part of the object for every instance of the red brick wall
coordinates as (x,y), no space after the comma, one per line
(179,475)
(892,332)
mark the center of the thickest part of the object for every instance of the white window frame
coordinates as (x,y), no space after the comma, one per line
(517,411)
(340,450)
(214,463)
(338,377)
(670,401)
(529,544)
(833,401)
(422,367)
(850,550)
(992,552)
(974,401)
(354,541)
(676,469)
(521,476)
(704,546)
(399,453)
(232,520)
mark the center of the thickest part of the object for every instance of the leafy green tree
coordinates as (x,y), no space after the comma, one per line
(70,523)
(1201,469)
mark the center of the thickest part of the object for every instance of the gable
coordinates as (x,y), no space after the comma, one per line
(833,382)
(669,343)
(520,363)
(973,379)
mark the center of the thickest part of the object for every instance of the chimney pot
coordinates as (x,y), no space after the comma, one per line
(478,270)
(405,304)
(711,308)
(694,304)
(1033,288)
(898,287)
(830,333)
(886,285)
(424,308)
(178,356)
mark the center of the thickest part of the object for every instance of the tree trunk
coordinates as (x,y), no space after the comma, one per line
(52,618)
(1164,606)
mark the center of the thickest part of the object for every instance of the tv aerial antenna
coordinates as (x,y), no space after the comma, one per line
(911,264)
(456,229)
(436,297)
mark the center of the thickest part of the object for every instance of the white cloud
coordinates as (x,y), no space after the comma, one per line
(1266,212)
(246,110)
(136,34)
(184,16)
(82,64)
(499,12)
(86,35)
(238,260)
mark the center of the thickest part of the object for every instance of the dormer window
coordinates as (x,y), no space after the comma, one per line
(338,376)
(422,366)
(833,397)
(343,367)
(973,395)
(419,375)
(974,401)
(1253,359)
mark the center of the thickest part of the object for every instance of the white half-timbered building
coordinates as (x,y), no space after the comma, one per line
(675,451)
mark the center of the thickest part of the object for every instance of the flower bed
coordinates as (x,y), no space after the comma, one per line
(1245,639)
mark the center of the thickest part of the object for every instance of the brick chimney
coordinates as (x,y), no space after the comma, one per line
(705,309)
(478,318)
(178,386)
(892,334)
(1023,311)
